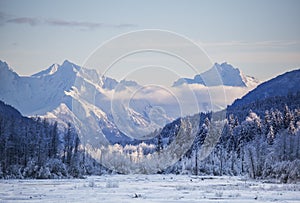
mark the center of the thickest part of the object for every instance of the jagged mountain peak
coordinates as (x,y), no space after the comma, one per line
(224,66)
(3,64)
(68,63)
(7,79)
(49,71)
(229,75)
(4,67)
(66,67)
(219,74)
(90,95)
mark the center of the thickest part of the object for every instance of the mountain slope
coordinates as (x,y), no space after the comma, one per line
(106,109)
(273,94)
(67,93)
(281,85)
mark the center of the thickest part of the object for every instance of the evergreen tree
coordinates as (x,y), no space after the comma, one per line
(159,145)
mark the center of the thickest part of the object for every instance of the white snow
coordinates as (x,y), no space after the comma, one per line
(50,71)
(148,188)
(68,91)
(220,74)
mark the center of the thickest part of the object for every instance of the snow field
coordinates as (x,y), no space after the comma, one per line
(148,188)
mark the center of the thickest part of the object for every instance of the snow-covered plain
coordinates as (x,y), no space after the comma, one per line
(148,188)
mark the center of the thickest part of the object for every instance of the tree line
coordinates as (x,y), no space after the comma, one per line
(261,147)
(37,148)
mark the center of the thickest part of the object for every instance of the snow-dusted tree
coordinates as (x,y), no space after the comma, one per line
(270,135)
(267,123)
(68,144)
(54,141)
(277,119)
(159,145)
(288,117)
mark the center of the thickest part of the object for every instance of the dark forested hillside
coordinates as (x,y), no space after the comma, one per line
(282,85)
(35,148)
(272,94)
(260,137)
(7,111)
(266,147)
(259,106)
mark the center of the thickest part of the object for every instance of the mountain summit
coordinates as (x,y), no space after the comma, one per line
(113,109)
(220,74)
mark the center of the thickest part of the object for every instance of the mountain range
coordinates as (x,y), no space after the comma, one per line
(33,145)
(118,111)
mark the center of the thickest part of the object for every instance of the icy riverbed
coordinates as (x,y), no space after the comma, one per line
(148,188)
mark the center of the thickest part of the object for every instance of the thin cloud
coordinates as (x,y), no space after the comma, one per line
(34,21)
(125,25)
(278,43)
(65,23)
(85,24)
(24,20)
(4,17)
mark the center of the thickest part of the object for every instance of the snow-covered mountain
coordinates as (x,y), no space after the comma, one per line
(108,110)
(64,92)
(220,74)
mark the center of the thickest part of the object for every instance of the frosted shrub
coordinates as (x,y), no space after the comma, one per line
(92,183)
(293,171)
(15,172)
(57,168)
(112,184)
(30,169)
(219,194)
(44,173)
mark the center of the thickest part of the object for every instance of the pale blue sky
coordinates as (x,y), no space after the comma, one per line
(261,37)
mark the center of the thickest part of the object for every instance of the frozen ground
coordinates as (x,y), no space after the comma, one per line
(147,188)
